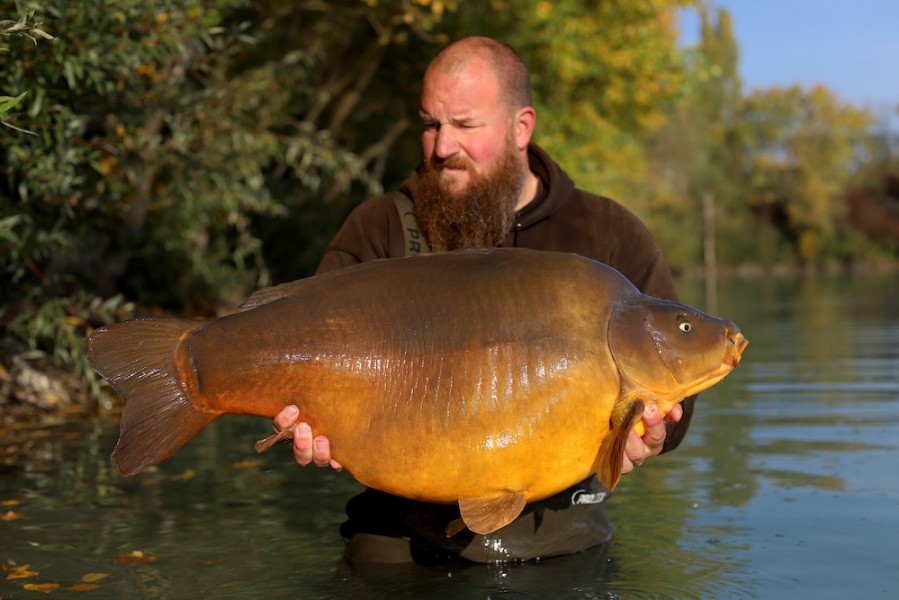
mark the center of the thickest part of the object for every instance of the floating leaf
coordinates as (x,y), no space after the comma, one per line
(136,556)
(93,577)
(244,464)
(184,476)
(82,587)
(11,502)
(10,515)
(22,572)
(41,587)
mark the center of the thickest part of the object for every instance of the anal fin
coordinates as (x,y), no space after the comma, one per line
(488,513)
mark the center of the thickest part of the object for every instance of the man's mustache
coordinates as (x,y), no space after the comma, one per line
(453,162)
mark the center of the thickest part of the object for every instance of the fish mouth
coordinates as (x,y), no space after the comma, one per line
(736,343)
(734,353)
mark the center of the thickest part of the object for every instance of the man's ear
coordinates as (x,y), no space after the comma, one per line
(525,122)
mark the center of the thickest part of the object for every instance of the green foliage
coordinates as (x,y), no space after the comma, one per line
(603,73)
(695,153)
(56,329)
(609,74)
(7,105)
(24,28)
(802,149)
(779,163)
(155,145)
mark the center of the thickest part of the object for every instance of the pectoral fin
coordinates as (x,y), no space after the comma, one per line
(611,452)
(487,514)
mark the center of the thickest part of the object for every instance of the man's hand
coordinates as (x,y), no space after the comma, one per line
(638,449)
(317,450)
(306,449)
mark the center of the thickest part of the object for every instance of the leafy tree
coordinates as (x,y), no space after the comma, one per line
(163,132)
(604,73)
(360,89)
(23,28)
(776,162)
(694,152)
(872,203)
(802,149)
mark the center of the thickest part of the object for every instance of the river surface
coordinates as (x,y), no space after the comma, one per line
(787,486)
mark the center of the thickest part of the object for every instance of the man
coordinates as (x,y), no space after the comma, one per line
(482,183)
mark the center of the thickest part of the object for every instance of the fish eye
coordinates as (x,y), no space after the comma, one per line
(684,324)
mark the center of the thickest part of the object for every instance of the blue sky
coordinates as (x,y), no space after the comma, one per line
(852,46)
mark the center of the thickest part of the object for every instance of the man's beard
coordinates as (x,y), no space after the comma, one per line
(479,217)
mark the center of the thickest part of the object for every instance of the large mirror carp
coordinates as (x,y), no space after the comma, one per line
(443,378)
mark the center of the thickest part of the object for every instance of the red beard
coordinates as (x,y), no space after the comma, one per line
(481,216)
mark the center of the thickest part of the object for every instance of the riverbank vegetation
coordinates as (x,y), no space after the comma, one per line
(173,155)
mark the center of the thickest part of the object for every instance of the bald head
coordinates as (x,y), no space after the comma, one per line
(506,65)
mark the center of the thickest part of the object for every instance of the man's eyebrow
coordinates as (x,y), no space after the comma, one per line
(453,119)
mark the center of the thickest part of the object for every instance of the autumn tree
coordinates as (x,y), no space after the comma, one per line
(164,133)
(604,73)
(802,148)
(694,152)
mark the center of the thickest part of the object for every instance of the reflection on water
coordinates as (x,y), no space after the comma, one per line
(785,486)
(800,447)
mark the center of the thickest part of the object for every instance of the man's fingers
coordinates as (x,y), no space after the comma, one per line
(287,417)
(321,451)
(302,444)
(307,449)
(675,414)
(633,452)
(654,435)
(638,449)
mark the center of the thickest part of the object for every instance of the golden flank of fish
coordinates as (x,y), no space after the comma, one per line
(444,378)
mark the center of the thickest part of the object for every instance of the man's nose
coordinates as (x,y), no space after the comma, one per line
(446,144)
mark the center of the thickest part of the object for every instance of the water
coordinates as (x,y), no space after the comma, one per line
(785,487)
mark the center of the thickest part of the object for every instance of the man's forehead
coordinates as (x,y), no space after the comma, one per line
(471,70)
(455,111)
(460,93)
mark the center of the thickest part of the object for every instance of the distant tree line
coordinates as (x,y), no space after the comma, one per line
(176,154)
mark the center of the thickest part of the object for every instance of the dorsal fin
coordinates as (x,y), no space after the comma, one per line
(270,294)
(611,452)
(488,513)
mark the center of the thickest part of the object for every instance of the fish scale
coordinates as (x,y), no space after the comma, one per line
(441,377)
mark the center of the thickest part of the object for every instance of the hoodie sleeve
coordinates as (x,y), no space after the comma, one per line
(371,231)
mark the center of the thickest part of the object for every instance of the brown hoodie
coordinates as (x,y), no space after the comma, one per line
(561,218)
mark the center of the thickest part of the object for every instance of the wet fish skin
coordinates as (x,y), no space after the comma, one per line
(442,378)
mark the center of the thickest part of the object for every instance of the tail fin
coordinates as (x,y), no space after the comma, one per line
(144,361)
